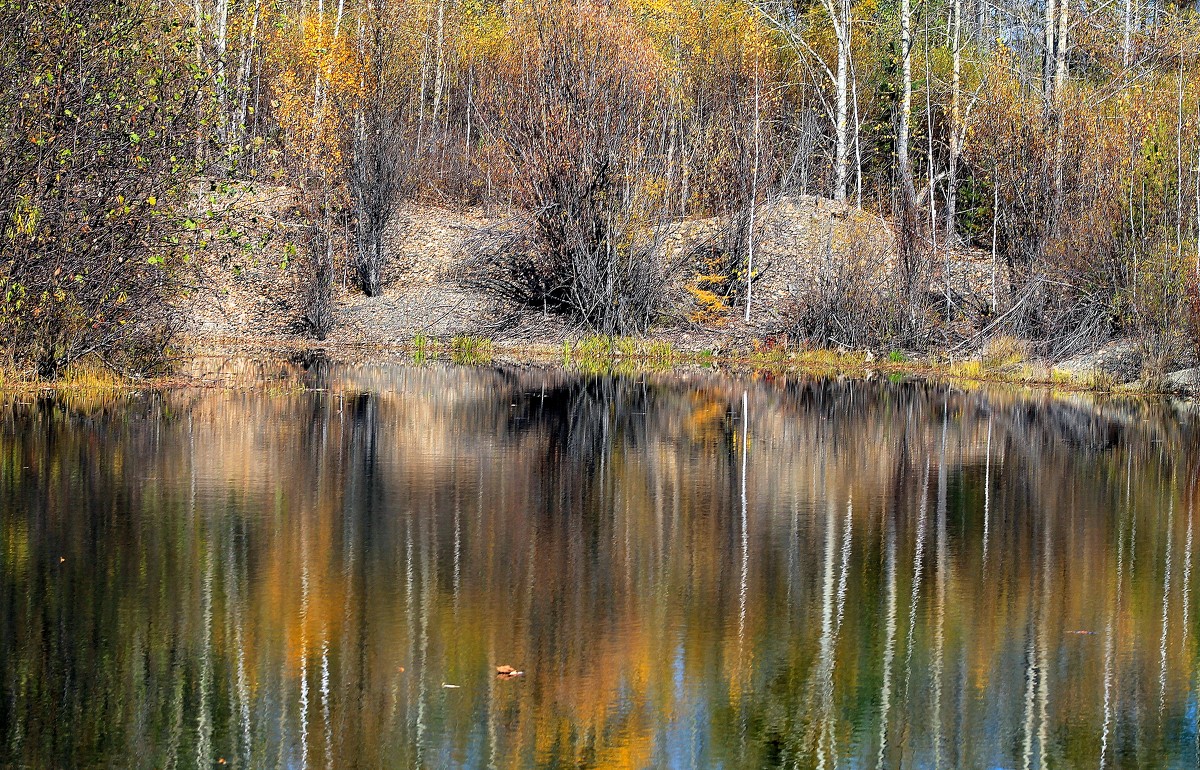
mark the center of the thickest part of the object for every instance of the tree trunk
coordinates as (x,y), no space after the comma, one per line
(244,74)
(1051,21)
(902,132)
(840,17)
(841,171)
(995,234)
(337,21)
(1060,48)
(858,161)
(1179,167)
(221,39)
(1127,40)
(440,61)
(753,195)
(1060,81)
(929,148)
(955,124)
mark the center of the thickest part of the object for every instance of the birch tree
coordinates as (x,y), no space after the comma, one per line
(1127,38)
(956,136)
(1048,31)
(1060,47)
(840,13)
(840,16)
(903,129)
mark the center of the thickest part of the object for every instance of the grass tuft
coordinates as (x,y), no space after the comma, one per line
(465,349)
(1003,355)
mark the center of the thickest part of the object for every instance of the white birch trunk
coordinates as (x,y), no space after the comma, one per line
(902,132)
(1060,48)
(955,124)
(840,17)
(221,40)
(753,195)
(1051,21)
(440,64)
(1127,40)
(244,74)
(1179,167)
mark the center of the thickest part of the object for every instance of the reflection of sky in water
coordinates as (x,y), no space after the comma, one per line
(692,571)
(683,741)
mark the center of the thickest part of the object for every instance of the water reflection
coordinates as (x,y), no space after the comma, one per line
(692,571)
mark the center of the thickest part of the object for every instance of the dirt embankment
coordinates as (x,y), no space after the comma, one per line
(250,291)
(252,262)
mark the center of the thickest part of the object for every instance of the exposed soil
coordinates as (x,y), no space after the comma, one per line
(249,291)
(248,297)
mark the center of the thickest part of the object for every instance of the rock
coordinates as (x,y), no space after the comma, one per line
(1184,381)
(1119,360)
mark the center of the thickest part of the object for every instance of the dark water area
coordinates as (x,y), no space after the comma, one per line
(691,570)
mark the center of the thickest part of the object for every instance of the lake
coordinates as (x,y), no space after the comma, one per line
(326,568)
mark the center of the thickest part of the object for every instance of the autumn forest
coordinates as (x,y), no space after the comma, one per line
(1057,142)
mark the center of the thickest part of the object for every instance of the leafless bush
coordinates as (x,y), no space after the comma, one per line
(730,125)
(504,260)
(854,300)
(382,148)
(912,275)
(1076,277)
(578,114)
(317,284)
(1192,327)
(719,261)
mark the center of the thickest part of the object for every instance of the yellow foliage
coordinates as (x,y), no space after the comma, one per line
(319,67)
(710,307)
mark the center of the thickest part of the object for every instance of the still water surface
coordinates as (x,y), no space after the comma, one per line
(691,570)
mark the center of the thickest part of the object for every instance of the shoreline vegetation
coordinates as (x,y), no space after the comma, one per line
(951,188)
(596,355)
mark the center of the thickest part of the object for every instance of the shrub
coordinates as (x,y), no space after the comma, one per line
(317,285)
(1003,354)
(99,110)
(854,299)
(574,99)
(1193,315)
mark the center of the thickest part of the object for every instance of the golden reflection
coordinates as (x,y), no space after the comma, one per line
(690,570)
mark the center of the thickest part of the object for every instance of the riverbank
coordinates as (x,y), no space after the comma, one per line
(250,300)
(266,363)
(253,304)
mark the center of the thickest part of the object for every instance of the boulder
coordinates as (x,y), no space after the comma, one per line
(1184,381)
(1121,361)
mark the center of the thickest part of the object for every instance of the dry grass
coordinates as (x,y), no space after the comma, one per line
(1004,355)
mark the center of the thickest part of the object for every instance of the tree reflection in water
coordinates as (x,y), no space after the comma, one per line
(691,570)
